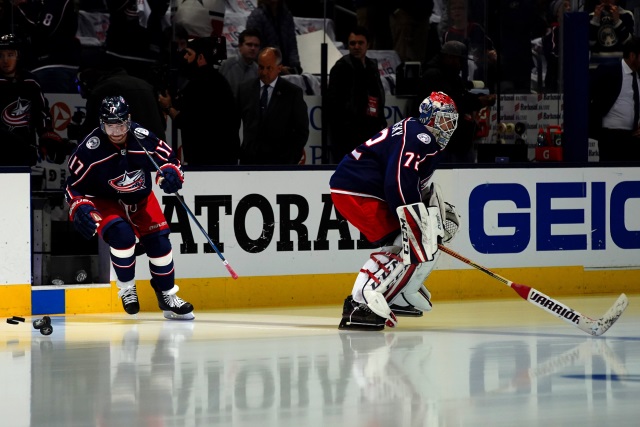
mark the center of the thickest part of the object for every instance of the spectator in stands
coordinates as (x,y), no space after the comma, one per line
(243,67)
(615,106)
(200,18)
(25,117)
(409,22)
(515,24)
(610,26)
(275,23)
(551,45)
(204,110)
(437,24)
(94,85)
(481,63)
(373,15)
(274,115)
(51,50)
(443,75)
(129,44)
(356,97)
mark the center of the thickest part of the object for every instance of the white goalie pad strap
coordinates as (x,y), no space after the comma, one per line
(420,226)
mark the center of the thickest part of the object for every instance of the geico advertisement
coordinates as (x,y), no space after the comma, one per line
(549,217)
(283,222)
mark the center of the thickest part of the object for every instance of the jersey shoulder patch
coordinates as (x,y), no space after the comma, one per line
(425,138)
(93,143)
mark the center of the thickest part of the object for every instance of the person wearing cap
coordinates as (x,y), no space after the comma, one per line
(442,74)
(204,109)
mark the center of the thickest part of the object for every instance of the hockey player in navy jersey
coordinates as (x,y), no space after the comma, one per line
(384,189)
(109,193)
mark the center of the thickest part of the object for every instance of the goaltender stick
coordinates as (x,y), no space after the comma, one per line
(109,194)
(384,188)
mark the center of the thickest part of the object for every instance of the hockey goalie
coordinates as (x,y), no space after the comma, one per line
(384,189)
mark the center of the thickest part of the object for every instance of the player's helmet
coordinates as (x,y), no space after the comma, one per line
(114,111)
(9,42)
(439,114)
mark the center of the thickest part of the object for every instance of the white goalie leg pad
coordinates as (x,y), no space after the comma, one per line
(380,273)
(420,226)
(375,272)
(414,292)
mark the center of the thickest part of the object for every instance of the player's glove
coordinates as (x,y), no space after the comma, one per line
(85,217)
(170,178)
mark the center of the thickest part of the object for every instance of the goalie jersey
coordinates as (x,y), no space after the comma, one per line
(394,165)
(102,169)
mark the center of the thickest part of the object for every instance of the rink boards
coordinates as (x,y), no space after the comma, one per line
(566,231)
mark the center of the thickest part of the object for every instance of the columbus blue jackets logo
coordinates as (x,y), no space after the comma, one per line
(128,182)
(17,114)
(424,138)
(93,143)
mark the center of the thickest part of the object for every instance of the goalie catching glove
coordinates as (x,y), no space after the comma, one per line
(170,178)
(432,197)
(85,217)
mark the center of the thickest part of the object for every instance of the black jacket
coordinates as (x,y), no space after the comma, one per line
(350,85)
(278,136)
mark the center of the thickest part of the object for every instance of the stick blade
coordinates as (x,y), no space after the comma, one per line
(598,327)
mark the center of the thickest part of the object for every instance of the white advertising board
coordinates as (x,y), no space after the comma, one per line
(271,223)
(15,223)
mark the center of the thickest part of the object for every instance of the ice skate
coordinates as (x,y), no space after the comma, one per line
(405,311)
(357,316)
(129,296)
(174,307)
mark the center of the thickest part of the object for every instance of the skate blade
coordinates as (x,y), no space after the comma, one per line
(346,325)
(173,316)
(404,312)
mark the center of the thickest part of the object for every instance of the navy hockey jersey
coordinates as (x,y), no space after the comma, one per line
(100,168)
(394,165)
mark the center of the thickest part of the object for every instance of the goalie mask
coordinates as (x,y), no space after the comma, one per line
(115,119)
(439,114)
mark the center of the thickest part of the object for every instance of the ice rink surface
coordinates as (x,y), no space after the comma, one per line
(487,363)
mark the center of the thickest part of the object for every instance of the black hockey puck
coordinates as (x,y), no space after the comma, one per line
(19,319)
(46,330)
(41,323)
(12,322)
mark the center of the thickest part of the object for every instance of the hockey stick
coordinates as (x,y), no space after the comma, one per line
(595,327)
(141,133)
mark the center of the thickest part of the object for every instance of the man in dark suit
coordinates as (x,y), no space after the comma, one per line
(613,111)
(274,116)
